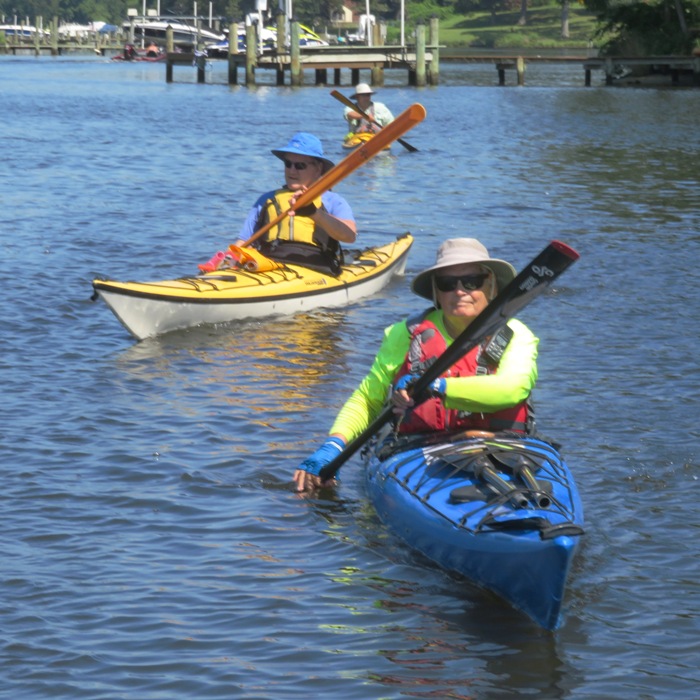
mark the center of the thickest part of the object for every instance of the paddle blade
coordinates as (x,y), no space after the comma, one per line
(409,118)
(532,281)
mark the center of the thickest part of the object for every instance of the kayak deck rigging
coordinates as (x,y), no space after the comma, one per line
(444,464)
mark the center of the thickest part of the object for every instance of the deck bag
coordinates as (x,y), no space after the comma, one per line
(250,259)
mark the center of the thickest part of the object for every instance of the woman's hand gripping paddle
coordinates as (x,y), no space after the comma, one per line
(529,284)
(415,114)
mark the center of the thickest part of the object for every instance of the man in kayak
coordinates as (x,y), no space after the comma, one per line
(379,112)
(311,235)
(486,389)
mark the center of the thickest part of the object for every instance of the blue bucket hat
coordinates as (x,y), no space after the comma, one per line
(305,144)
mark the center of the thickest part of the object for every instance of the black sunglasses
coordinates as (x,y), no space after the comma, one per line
(297,166)
(469,282)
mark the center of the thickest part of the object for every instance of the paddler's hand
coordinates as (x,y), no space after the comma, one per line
(400,397)
(307,210)
(306,477)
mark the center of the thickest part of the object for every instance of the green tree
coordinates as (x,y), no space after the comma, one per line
(651,28)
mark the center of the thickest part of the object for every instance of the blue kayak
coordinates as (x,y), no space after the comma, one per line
(502,510)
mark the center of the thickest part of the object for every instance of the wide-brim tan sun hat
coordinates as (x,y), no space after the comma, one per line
(362,89)
(459,251)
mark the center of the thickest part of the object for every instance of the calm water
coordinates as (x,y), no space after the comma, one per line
(152,546)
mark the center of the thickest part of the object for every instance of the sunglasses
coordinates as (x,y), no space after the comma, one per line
(297,166)
(469,282)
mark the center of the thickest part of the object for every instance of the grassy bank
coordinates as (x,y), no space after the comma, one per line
(479,30)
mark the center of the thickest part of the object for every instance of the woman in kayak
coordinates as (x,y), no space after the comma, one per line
(487,389)
(311,235)
(379,112)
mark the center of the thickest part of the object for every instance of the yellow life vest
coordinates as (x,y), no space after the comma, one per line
(299,229)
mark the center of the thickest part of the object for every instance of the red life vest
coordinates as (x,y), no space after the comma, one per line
(427,343)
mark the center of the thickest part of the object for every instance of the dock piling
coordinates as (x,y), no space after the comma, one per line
(434,41)
(295,54)
(250,54)
(420,54)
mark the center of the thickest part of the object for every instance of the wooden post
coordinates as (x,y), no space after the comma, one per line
(250,54)
(37,49)
(501,68)
(377,35)
(336,76)
(169,40)
(377,70)
(609,69)
(232,53)
(696,70)
(54,37)
(587,74)
(434,41)
(354,76)
(295,54)
(420,54)
(520,68)
(280,47)
(201,63)
(169,50)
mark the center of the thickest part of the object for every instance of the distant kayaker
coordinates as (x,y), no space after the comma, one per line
(379,112)
(152,50)
(487,389)
(311,235)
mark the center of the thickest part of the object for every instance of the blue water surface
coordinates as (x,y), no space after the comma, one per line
(153,546)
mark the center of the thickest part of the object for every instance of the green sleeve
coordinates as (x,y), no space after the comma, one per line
(512,383)
(367,401)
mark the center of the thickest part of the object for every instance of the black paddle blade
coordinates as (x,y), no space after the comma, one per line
(532,281)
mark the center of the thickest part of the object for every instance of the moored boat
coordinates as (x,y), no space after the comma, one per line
(131,53)
(502,510)
(186,35)
(148,309)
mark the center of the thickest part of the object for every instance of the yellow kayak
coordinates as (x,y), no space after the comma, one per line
(148,309)
(355,140)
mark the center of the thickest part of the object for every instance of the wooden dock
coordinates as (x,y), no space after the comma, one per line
(422,65)
(672,66)
(421,60)
(614,67)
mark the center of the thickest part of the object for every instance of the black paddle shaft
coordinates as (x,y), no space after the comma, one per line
(532,281)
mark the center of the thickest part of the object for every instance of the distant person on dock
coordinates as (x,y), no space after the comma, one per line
(311,235)
(379,113)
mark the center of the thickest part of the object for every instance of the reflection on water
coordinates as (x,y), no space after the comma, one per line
(296,351)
